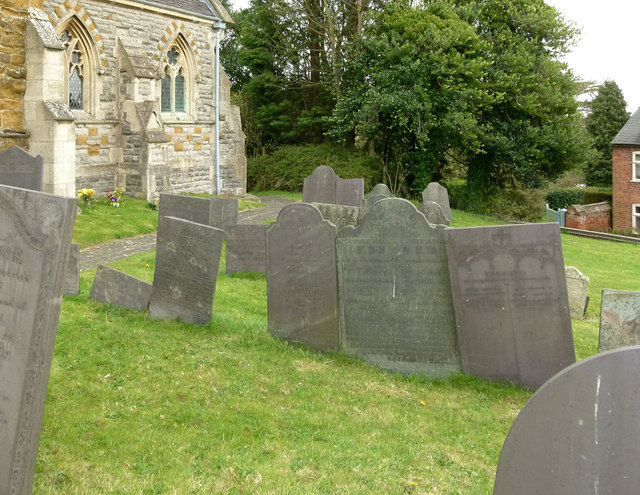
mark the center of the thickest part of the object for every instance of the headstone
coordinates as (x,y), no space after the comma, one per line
(510,299)
(433,212)
(35,239)
(184,280)
(339,215)
(190,208)
(579,433)
(19,169)
(379,191)
(223,212)
(72,274)
(119,288)
(302,288)
(619,319)
(395,297)
(577,288)
(246,248)
(324,186)
(439,194)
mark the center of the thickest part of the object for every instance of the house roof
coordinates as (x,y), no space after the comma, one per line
(202,8)
(630,132)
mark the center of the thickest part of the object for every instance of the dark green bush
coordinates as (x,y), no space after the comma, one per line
(563,198)
(457,193)
(597,195)
(286,168)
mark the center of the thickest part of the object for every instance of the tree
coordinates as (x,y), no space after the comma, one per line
(607,115)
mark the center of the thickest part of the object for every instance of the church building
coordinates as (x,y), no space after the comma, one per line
(121,93)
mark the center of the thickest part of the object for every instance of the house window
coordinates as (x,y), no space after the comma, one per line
(635,175)
(635,217)
(173,87)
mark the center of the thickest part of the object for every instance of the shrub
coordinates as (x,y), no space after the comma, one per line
(286,168)
(519,203)
(563,198)
(457,193)
(597,195)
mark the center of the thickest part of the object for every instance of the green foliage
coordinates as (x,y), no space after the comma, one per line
(457,190)
(607,115)
(286,168)
(563,198)
(520,203)
(597,195)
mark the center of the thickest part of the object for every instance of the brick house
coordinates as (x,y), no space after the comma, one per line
(121,93)
(626,175)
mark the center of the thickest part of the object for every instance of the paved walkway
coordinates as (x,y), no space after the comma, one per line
(123,248)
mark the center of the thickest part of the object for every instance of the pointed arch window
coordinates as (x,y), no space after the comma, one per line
(80,68)
(174,87)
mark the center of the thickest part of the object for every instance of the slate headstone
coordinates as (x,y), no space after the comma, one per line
(349,192)
(320,186)
(339,215)
(19,169)
(439,194)
(379,191)
(619,319)
(577,288)
(433,212)
(187,261)
(302,288)
(119,288)
(35,239)
(579,432)
(72,274)
(223,212)
(246,248)
(395,297)
(190,208)
(510,299)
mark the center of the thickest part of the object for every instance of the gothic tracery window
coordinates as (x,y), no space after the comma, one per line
(173,87)
(76,57)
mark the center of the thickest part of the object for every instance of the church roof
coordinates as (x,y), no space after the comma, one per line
(630,133)
(202,8)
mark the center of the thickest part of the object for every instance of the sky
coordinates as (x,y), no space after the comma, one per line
(605,49)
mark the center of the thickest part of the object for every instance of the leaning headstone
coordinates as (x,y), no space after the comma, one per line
(339,215)
(433,212)
(439,194)
(619,319)
(349,192)
(302,288)
(189,208)
(34,244)
(324,186)
(379,191)
(510,299)
(72,274)
(577,287)
(246,248)
(119,288)
(19,169)
(395,297)
(579,432)
(184,280)
(223,212)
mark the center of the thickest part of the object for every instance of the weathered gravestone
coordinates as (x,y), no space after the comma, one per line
(324,186)
(35,237)
(72,273)
(379,191)
(577,288)
(19,169)
(302,288)
(339,215)
(579,432)
(189,208)
(439,194)
(119,288)
(619,319)
(510,299)
(223,212)
(246,248)
(433,212)
(395,297)
(184,280)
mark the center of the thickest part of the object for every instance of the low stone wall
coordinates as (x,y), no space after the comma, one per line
(595,217)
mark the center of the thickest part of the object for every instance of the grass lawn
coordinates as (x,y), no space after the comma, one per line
(139,406)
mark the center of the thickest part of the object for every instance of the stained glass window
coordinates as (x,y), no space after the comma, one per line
(173,89)
(165,92)
(75,90)
(76,70)
(180,107)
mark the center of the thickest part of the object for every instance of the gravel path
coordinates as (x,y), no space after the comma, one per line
(123,248)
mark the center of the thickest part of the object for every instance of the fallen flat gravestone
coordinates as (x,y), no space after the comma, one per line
(189,208)
(184,280)
(302,289)
(510,299)
(223,212)
(439,194)
(116,287)
(619,319)
(19,169)
(35,240)
(433,212)
(395,297)
(577,288)
(324,186)
(339,215)
(72,273)
(579,433)
(246,248)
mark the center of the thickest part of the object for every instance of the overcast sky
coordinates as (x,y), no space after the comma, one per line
(607,47)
